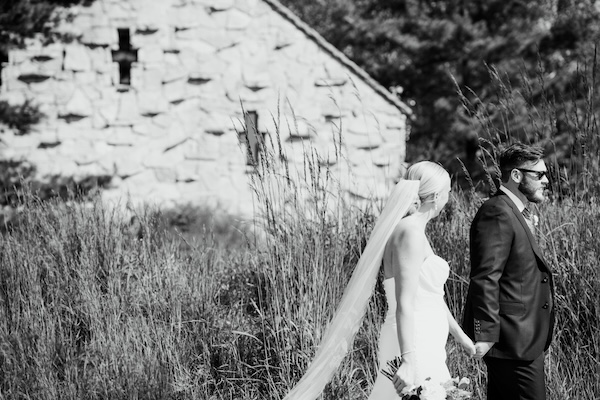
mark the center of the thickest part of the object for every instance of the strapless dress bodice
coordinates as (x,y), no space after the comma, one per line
(432,278)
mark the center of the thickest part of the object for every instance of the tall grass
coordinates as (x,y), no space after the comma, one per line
(91,308)
(573,249)
(531,111)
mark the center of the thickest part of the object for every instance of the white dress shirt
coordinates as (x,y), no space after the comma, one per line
(513,197)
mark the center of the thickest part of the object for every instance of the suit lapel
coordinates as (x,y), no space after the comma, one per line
(521,219)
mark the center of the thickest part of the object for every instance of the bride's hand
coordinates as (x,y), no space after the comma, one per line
(467,344)
(405,377)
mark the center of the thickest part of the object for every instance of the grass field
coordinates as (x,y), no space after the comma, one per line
(90,309)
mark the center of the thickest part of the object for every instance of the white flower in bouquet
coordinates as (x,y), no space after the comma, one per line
(432,391)
(458,389)
(454,389)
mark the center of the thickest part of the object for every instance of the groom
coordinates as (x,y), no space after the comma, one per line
(509,311)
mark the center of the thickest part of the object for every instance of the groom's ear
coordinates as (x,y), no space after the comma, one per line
(516,175)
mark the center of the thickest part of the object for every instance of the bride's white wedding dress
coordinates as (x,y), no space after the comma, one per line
(431,329)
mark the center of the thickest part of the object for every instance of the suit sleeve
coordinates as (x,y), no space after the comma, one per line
(491,241)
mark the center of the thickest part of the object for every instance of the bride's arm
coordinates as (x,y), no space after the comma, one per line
(406,263)
(406,259)
(458,334)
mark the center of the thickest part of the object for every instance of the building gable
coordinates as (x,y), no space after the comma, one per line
(159,95)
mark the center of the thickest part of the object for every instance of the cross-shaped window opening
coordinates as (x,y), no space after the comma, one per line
(125,56)
(3,59)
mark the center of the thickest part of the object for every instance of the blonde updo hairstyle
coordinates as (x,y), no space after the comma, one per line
(432,179)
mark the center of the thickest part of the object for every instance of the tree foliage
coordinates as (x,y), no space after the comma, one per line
(20,19)
(20,117)
(453,58)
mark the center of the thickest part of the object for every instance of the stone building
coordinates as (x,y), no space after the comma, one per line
(164,97)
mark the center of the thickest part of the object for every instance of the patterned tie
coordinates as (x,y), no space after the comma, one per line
(528,218)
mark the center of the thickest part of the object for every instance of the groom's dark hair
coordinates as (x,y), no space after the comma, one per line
(515,155)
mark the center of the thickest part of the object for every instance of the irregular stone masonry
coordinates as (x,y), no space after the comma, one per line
(170,131)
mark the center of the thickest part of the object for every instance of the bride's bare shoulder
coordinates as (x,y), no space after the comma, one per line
(407,231)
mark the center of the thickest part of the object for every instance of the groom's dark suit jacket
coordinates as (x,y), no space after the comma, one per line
(511,293)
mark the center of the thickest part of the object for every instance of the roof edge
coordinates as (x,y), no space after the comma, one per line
(337,54)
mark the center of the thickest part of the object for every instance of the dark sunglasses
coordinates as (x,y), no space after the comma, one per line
(538,174)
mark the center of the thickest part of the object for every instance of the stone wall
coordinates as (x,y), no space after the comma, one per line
(170,131)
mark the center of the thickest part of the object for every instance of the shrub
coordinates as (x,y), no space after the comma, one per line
(20,186)
(20,117)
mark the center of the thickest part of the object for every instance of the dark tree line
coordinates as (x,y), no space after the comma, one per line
(20,19)
(486,50)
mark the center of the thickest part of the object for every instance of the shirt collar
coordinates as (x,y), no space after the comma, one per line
(513,197)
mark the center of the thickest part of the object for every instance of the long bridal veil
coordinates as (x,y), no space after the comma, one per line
(339,336)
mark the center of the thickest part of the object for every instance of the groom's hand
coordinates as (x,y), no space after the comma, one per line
(481,348)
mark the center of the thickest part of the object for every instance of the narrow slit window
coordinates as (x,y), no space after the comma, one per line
(251,137)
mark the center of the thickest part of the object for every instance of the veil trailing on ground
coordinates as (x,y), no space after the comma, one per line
(339,336)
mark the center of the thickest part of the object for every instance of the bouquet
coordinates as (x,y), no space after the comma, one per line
(454,389)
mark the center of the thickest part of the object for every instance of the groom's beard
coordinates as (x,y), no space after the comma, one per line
(533,190)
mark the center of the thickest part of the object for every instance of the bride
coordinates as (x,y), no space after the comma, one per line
(418,320)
